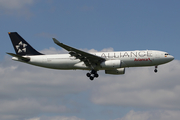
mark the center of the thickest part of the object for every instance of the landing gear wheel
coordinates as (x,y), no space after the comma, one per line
(93,74)
(91,78)
(155,70)
(96,75)
(88,74)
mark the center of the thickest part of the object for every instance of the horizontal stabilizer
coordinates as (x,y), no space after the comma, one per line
(25,59)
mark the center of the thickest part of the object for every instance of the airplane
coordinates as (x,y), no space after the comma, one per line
(112,62)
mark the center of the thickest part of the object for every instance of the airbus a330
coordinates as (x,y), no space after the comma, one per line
(112,62)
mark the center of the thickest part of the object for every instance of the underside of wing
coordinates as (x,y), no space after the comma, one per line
(89,59)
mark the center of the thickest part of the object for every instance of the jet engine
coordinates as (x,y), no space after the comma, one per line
(111,64)
(116,71)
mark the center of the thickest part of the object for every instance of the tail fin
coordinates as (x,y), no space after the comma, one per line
(21,46)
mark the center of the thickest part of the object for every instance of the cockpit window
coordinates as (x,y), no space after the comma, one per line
(166,54)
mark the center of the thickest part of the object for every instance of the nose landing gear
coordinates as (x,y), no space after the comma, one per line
(92,74)
(155,70)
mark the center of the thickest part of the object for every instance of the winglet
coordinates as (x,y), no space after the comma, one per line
(68,48)
(56,41)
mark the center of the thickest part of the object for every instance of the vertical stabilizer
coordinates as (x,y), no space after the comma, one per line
(21,46)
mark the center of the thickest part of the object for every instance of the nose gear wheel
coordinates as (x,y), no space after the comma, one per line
(155,70)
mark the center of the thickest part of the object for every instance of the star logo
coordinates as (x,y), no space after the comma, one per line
(21,47)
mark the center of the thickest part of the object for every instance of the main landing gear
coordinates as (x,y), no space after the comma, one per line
(155,70)
(92,74)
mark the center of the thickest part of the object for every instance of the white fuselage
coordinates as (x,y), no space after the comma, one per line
(127,58)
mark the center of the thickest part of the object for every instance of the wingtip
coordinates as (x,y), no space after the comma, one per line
(55,41)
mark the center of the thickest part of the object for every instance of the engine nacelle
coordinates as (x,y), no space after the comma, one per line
(116,71)
(111,64)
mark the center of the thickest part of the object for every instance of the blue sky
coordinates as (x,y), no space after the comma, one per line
(32,93)
(122,25)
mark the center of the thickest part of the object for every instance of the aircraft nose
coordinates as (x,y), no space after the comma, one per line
(171,57)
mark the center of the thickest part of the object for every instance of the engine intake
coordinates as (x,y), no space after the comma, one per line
(116,71)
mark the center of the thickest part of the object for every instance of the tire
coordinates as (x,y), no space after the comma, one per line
(91,78)
(155,70)
(93,72)
(96,75)
(88,74)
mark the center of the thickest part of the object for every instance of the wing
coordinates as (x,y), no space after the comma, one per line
(89,59)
